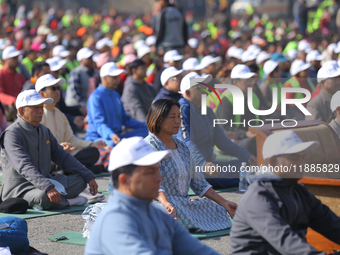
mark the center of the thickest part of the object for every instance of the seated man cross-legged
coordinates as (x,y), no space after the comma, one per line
(27,149)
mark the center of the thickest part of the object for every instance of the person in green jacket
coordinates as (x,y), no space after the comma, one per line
(29,60)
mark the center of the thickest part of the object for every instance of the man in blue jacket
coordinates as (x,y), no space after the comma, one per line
(198,133)
(106,112)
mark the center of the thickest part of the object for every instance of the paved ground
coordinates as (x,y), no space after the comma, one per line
(41,228)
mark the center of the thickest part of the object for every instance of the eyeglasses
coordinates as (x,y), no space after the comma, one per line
(55,88)
(173,79)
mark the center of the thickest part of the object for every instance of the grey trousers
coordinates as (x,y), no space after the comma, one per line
(74,184)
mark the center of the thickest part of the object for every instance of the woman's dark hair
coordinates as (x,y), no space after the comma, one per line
(128,170)
(158,112)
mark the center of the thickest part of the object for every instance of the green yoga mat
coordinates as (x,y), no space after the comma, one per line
(34,214)
(192,193)
(76,238)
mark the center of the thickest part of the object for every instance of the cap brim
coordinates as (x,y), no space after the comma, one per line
(305,67)
(177,58)
(13,55)
(116,72)
(64,54)
(152,158)
(41,101)
(302,147)
(246,76)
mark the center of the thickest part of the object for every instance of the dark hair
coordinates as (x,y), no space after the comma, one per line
(158,112)
(38,66)
(128,170)
(135,64)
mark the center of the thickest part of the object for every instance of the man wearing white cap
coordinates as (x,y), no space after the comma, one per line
(209,65)
(78,83)
(106,113)
(314,58)
(27,149)
(191,65)
(334,120)
(329,80)
(11,82)
(170,58)
(86,152)
(260,60)
(241,78)
(137,95)
(130,223)
(275,212)
(171,81)
(194,128)
(104,45)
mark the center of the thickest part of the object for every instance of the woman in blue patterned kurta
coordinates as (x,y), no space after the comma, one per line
(163,122)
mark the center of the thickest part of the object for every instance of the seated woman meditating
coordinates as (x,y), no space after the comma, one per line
(163,122)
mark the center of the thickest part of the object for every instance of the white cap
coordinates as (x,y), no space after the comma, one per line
(56,63)
(208,60)
(230,51)
(143,50)
(297,66)
(84,53)
(125,29)
(270,66)
(185,83)
(31,97)
(329,69)
(291,54)
(2,44)
(95,56)
(331,47)
(314,55)
(168,73)
(193,43)
(303,45)
(335,101)
(237,53)
(51,38)
(285,142)
(248,56)
(43,30)
(151,40)
(254,48)
(10,52)
(262,57)
(241,72)
(191,64)
(139,43)
(172,55)
(103,42)
(110,69)
(60,51)
(48,80)
(135,151)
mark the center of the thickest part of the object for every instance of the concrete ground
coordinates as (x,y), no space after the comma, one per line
(41,228)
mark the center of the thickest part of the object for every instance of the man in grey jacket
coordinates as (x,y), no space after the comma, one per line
(275,212)
(27,149)
(137,95)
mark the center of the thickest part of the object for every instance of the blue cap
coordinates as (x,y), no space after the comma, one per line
(278,57)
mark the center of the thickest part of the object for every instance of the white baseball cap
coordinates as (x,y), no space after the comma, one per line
(285,142)
(139,43)
(297,66)
(291,54)
(84,53)
(314,55)
(230,51)
(329,69)
(303,45)
(10,52)
(270,66)
(168,73)
(43,30)
(143,50)
(193,43)
(248,56)
(172,55)
(151,40)
(135,151)
(331,47)
(60,51)
(191,64)
(31,97)
(335,101)
(48,80)
(56,63)
(262,57)
(111,69)
(185,83)
(208,60)
(237,53)
(51,38)
(254,48)
(241,72)
(103,42)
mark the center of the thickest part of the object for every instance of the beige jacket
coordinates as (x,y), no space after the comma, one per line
(59,126)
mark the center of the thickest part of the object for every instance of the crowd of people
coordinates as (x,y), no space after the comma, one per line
(120,78)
